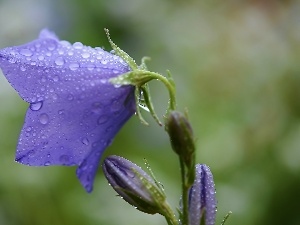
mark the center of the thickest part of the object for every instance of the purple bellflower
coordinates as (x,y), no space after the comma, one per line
(202,201)
(74,111)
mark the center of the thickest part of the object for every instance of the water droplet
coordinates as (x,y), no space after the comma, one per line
(12,52)
(44,118)
(108,129)
(25,52)
(104,61)
(44,79)
(70,53)
(85,55)
(22,68)
(65,43)
(28,129)
(90,67)
(70,97)
(85,141)
(59,61)
(74,66)
(47,163)
(41,57)
(61,52)
(31,153)
(12,60)
(48,54)
(78,45)
(61,112)
(36,106)
(56,78)
(102,119)
(116,106)
(51,46)
(116,71)
(55,96)
(64,159)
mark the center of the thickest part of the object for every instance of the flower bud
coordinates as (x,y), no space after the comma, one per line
(202,201)
(182,141)
(133,184)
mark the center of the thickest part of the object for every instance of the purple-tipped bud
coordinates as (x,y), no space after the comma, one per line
(202,201)
(133,184)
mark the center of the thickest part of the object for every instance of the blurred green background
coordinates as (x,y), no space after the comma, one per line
(236,66)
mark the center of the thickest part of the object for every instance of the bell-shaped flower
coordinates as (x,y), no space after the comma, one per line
(202,201)
(134,185)
(74,111)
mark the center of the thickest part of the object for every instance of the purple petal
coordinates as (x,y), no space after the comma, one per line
(74,111)
(202,196)
(209,193)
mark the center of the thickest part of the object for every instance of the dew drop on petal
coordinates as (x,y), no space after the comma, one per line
(64,159)
(61,113)
(115,71)
(56,78)
(12,60)
(44,118)
(47,163)
(116,106)
(44,79)
(51,47)
(36,106)
(25,52)
(22,68)
(61,52)
(85,141)
(59,61)
(41,57)
(85,55)
(78,45)
(65,43)
(74,66)
(90,67)
(102,119)
(104,61)
(70,97)
(55,96)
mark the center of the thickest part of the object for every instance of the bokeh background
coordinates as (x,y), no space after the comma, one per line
(236,66)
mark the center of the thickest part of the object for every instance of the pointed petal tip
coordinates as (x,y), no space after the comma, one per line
(46,33)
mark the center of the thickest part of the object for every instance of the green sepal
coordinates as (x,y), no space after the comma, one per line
(139,76)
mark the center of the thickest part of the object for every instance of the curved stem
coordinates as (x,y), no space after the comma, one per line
(146,76)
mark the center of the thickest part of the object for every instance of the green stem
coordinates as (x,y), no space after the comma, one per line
(169,215)
(185,188)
